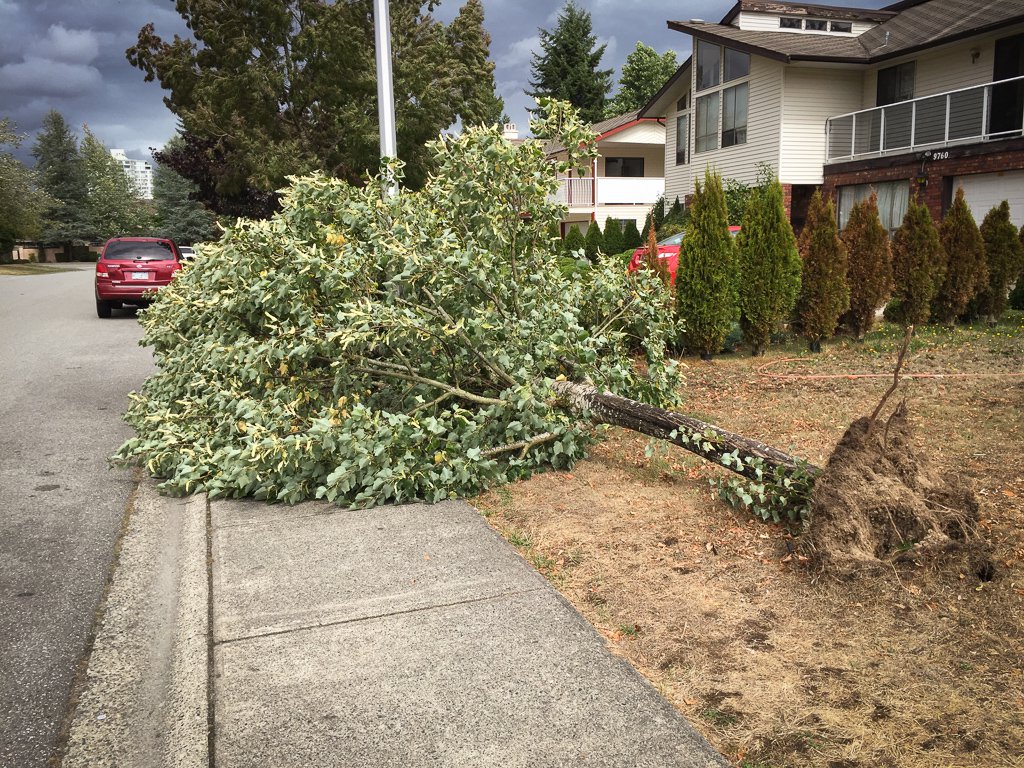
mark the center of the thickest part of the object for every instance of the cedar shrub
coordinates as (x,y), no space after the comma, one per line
(918,266)
(631,239)
(574,241)
(594,241)
(769,264)
(966,265)
(824,294)
(869,269)
(1005,257)
(613,242)
(706,276)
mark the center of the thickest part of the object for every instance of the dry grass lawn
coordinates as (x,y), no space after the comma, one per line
(775,666)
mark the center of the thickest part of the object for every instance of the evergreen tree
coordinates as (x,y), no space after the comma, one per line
(555,233)
(467,36)
(824,294)
(966,267)
(706,273)
(1005,257)
(567,66)
(62,176)
(1016,300)
(658,212)
(271,89)
(643,74)
(613,240)
(113,207)
(631,239)
(769,264)
(177,215)
(22,202)
(918,266)
(869,272)
(594,241)
(647,227)
(574,241)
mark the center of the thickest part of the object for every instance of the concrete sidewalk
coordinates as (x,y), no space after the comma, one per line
(400,636)
(413,636)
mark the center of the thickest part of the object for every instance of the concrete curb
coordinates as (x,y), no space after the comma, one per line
(145,697)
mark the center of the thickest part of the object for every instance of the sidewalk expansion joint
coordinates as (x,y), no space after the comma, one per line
(342,622)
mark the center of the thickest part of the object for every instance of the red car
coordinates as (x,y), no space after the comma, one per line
(132,267)
(668,251)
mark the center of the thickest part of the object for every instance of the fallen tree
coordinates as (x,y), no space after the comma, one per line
(369,349)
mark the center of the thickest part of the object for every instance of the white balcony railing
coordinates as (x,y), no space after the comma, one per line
(980,113)
(588,192)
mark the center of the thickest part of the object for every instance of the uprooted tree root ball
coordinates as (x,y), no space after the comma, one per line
(879,502)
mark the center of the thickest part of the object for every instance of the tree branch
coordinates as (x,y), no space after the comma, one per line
(390,372)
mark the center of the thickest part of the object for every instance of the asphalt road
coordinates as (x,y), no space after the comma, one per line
(64,379)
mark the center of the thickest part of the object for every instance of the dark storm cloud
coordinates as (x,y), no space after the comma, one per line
(68,55)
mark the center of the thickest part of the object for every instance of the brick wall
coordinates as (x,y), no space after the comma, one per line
(932,179)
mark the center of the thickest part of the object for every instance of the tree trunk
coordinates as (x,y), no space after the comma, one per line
(606,408)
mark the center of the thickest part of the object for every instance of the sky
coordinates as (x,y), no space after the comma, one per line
(68,55)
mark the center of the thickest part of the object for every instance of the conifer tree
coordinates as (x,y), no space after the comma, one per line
(1005,257)
(647,228)
(658,212)
(1016,300)
(177,215)
(869,271)
(706,273)
(613,240)
(567,66)
(555,233)
(769,264)
(62,176)
(574,241)
(481,105)
(631,239)
(824,294)
(918,266)
(594,241)
(966,267)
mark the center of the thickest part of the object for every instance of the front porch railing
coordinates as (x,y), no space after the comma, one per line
(979,113)
(588,192)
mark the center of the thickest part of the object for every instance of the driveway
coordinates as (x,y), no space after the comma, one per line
(65,377)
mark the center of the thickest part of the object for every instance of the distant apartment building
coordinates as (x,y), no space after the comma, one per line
(139,171)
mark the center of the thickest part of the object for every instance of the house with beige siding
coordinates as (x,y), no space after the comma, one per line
(623,181)
(917,98)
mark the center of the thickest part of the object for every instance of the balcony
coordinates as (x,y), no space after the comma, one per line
(589,192)
(981,113)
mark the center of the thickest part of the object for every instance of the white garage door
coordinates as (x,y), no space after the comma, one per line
(985,190)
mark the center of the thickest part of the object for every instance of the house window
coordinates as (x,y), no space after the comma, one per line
(684,103)
(787,22)
(706,131)
(816,25)
(682,139)
(1007,100)
(892,202)
(842,26)
(624,166)
(737,65)
(734,115)
(896,83)
(709,59)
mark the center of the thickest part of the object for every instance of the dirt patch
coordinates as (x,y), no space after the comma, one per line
(777,667)
(879,500)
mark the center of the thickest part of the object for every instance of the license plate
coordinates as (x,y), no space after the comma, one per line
(140,275)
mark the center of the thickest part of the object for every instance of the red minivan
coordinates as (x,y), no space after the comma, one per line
(132,267)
